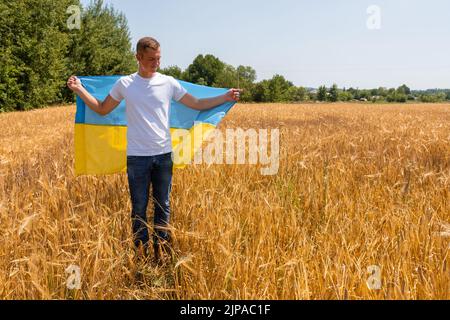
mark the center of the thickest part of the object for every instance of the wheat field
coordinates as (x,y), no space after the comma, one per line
(358,185)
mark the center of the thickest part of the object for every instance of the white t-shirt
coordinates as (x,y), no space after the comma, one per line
(147,110)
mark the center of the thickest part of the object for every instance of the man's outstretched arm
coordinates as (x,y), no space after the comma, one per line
(100,107)
(209,103)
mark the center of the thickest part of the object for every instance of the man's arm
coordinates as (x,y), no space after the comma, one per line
(100,107)
(209,103)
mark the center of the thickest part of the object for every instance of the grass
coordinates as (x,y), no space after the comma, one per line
(358,185)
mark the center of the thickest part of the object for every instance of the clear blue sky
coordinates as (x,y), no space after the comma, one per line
(309,42)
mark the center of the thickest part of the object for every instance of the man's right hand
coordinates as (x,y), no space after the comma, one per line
(101,107)
(74,84)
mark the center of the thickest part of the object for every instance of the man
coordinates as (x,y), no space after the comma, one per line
(147,94)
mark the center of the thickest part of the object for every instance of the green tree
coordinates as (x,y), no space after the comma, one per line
(401,98)
(38,51)
(382,92)
(207,68)
(227,77)
(279,88)
(345,96)
(322,93)
(33,50)
(297,94)
(355,93)
(103,44)
(173,71)
(404,90)
(246,82)
(276,89)
(365,94)
(334,93)
(261,92)
(432,98)
(246,74)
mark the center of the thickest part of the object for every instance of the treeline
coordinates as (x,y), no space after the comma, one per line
(40,49)
(211,71)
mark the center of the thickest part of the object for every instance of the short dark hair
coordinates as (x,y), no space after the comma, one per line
(147,42)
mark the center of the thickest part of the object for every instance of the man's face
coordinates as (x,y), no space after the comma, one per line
(149,59)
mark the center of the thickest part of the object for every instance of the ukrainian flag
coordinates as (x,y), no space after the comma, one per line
(101,141)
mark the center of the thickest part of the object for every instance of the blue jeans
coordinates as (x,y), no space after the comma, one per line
(143,171)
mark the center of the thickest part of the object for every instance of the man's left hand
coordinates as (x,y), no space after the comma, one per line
(233,95)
